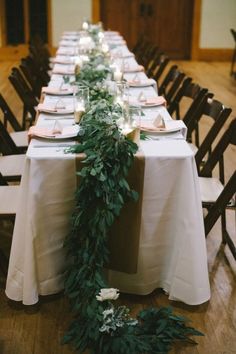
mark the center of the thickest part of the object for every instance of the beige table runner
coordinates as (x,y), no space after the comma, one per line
(125,232)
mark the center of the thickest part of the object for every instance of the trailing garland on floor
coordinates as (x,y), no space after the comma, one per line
(103,190)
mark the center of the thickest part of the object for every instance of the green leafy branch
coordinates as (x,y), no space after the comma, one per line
(102,192)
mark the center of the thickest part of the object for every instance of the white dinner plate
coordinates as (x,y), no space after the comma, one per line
(143,105)
(54,133)
(58,92)
(145,83)
(56,111)
(161,132)
(57,136)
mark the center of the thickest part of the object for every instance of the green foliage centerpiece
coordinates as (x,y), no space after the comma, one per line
(98,325)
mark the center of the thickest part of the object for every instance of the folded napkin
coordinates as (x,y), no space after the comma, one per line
(55,107)
(66,60)
(138,68)
(64,71)
(156,125)
(120,55)
(65,51)
(136,82)
(173,125)
(69,37)
(68,43)
(160,125)
(151,101)
(147,101)
(54,132)
(62,90)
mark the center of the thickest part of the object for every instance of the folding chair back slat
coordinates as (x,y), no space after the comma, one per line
(8,115)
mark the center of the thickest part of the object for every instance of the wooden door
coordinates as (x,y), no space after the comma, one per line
(117,16)
(167,23)
(29,18)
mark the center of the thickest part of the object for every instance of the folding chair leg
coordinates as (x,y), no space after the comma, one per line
(24,117)
(3,263)
(223,227)
(230,243)
(219,207)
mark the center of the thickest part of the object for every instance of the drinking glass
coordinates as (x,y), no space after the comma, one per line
(81,102)
(132,122)
(121,92)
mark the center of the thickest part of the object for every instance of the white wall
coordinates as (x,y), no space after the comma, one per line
(68,15)
(217,17)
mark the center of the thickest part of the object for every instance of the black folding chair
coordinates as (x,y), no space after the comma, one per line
(216,195)
(27,97)
(171,83)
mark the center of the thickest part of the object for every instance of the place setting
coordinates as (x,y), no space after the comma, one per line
(147,101)
(56,107)
(61,90)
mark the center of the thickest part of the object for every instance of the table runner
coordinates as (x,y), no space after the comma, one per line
(124,235)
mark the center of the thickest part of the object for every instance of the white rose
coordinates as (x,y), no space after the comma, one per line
(108,294)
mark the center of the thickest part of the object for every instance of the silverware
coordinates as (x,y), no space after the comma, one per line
(53,145)
(165,138)
(59,118)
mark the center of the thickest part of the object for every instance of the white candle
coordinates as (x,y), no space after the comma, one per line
(118,75)
(105,48)
(85,26)
(79,111)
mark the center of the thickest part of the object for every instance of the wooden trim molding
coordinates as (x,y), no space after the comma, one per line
(8,52)
(26,20)
(196,28)
(2,23)
(14,52)
(206,54)
(215,54)
(49,22)
(96,11)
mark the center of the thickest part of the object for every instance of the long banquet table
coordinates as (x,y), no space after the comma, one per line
(172,250)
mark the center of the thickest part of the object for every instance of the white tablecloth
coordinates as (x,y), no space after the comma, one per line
(172,252)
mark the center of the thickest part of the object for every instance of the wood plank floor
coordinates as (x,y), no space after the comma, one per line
(39,329)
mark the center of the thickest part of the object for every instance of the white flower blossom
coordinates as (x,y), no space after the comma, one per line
(101,67)
(108,312)
(108,294)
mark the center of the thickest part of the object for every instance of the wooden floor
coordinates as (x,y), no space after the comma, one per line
(39,329)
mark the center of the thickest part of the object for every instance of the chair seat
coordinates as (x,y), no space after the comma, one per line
(210,189)
(12,166)
(20,138)
(193,147)
(9,196)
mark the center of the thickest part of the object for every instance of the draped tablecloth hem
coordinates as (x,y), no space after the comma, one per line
(31,296)
(146,289)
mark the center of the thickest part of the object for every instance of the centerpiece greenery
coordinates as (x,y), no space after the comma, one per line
(98,325)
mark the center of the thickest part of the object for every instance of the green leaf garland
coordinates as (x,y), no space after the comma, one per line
(103,190)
